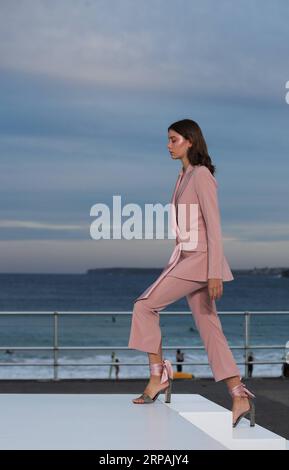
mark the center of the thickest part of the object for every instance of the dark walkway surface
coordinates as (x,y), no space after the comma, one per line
(272,394)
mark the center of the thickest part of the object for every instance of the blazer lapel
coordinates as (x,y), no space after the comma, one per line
(179,188)
(174,225)
(183,184)
(176,188)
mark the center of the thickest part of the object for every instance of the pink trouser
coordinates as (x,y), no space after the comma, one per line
(145,333)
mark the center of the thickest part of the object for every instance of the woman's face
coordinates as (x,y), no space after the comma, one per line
(177,145)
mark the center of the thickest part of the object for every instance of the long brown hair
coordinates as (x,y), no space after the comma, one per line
(198,152)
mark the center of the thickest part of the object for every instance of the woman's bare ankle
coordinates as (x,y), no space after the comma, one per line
(155,379)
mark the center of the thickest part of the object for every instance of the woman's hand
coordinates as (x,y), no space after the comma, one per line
(215,287)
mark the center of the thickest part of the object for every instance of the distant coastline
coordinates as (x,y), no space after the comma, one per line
(282,272)
(276,272)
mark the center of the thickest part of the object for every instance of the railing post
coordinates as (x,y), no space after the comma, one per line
(55,346)
(247,343)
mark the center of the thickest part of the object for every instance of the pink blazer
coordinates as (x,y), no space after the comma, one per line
(203,258)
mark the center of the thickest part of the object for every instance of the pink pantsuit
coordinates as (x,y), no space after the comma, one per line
(197,257)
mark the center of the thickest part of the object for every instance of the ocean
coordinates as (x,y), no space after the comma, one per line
(114,290)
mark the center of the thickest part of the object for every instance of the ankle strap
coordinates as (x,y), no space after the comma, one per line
(241,391)
(164,369)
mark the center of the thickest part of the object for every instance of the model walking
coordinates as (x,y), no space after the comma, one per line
(196,270)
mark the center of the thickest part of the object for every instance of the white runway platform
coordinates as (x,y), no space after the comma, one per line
(112,421)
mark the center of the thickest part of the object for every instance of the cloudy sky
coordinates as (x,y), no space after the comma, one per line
(88,90)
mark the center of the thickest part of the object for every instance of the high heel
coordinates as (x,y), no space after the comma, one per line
(165,370)
(242,391)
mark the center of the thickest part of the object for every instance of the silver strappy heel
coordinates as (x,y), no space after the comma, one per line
(242,391)
(165,370)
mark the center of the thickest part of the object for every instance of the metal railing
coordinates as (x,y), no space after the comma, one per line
(56,348)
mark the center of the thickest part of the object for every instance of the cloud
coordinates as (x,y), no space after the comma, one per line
(68,256)
(15,224)
(88,89)
(260,231)
(150,45)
